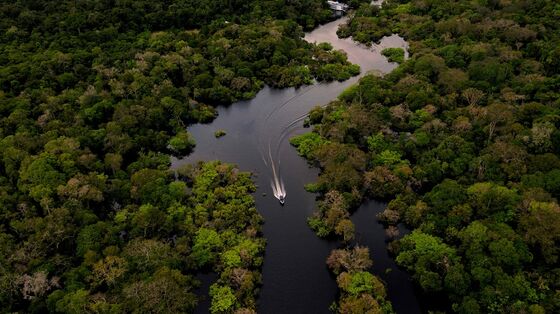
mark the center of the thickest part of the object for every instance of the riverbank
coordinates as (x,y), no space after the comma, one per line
(295,277)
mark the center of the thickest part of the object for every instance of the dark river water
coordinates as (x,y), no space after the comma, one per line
(295,276)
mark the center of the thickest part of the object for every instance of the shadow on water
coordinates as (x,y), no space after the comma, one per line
(295,276)
(206,279)
(369,233)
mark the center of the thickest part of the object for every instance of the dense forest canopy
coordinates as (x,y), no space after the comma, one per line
(95,96)
(464,140)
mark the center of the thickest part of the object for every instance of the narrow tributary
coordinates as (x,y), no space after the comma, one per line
(295,276)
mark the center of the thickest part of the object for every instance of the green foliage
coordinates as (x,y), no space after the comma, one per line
(332,217)
(88,119)
(223,299)
(423,254)
(388,158)
(361,282)
(376,143)
(490,198)
(319,226)
(206,245)
(108,234)
(540,228)
(166,290)
(306,144)
(325,46)
(361,291)
(394,54)
(219,133)
(93,97)
(93,237)
(461,137)
(182,143)
(330,72)
(73,303)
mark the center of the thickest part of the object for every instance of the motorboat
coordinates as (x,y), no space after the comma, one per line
(282,198)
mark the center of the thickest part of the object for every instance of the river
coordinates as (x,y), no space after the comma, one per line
(295,276)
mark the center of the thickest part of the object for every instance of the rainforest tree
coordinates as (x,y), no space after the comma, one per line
(461,139)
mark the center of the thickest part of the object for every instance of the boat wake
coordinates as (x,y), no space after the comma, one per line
(278,190)
(276,183)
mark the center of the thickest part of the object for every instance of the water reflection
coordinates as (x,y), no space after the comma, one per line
(295,277)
